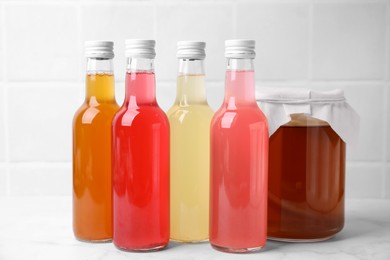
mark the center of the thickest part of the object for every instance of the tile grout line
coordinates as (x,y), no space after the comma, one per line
(234,19)
(386,72)
(2,85)
(386,101)
(79,39)
(5,105)
(155,20)
(385,141)
(310,43)
(80,50)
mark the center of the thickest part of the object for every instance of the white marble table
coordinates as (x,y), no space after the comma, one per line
(41,228)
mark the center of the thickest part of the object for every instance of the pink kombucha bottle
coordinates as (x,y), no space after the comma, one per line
(140,158)
(239,159)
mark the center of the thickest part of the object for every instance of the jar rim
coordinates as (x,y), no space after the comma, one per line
(303,120)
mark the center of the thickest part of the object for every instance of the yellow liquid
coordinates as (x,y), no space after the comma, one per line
(189,120)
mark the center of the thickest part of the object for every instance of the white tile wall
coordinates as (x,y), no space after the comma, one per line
(364,181)
(215,94)
(2,99)
(386,184)
(40,121)
(281,31)
(2,125)
(1,42)
(117,22)
(3,181)
(349,41)
(387,49)
(120,89)
(368,101)
(49,180)
(41,41)
(387,129)
(193,20)
(165,93)
(322,44)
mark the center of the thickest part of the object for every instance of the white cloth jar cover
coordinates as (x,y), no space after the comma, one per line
(330,106)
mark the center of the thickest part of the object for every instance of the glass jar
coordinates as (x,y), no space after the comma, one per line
(306,180)
(307,151)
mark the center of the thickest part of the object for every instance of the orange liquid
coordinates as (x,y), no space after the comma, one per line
(306,183)
(92,214)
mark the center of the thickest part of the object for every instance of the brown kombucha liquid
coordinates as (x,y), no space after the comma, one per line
(306,183)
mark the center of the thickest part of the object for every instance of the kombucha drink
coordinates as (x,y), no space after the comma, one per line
(189,120)
(140,158)
(92,217)
(306,181)
(239,159)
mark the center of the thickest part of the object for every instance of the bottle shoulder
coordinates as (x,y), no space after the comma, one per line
(181,113)
(144,109)
(88,114)
(141,114)
(240,115)
(251,108)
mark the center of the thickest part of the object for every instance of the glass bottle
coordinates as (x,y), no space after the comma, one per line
(92,217)
(239,159)
(140,158)
(189,119)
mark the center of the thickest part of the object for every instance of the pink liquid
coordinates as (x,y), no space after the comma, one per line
(239,166)
(140,168)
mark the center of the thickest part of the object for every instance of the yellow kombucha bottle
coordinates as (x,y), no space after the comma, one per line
(92,214)
(189,120)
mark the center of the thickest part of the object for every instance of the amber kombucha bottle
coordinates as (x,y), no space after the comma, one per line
(92,214)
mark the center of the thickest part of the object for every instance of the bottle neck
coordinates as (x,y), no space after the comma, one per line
(240,82)
(100,81)
(140,82)
(190,84)
(191,67)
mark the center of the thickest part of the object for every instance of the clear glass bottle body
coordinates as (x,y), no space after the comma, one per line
(239,165)
(140,164)
(92,217)
(189,120)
